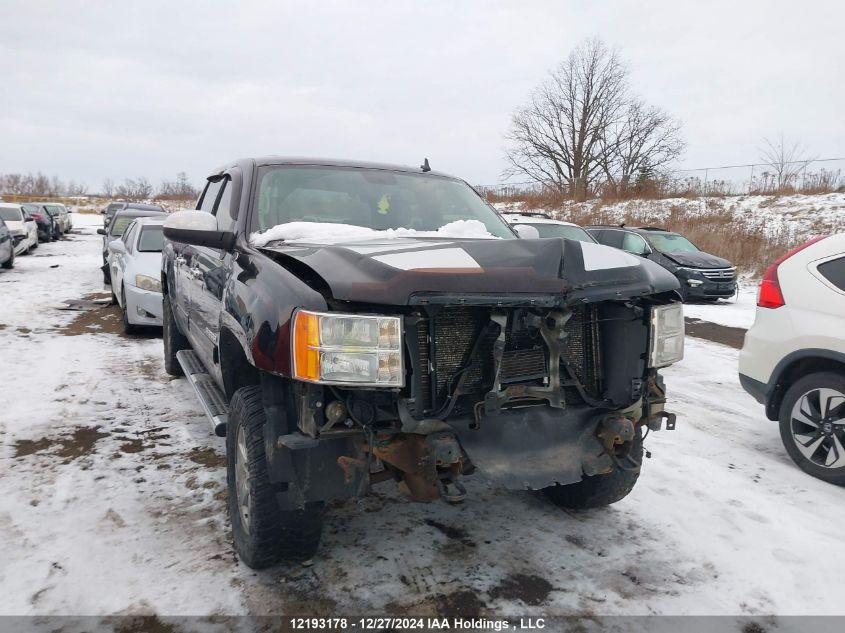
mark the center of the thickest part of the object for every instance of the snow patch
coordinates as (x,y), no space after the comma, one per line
(333,233)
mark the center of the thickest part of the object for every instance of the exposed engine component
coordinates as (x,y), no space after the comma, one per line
(426,465)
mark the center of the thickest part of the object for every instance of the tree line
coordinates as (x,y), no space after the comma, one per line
(132,189)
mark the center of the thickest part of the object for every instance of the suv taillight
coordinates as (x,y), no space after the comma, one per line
(770,295)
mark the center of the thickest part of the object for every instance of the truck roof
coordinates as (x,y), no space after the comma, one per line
(329,162)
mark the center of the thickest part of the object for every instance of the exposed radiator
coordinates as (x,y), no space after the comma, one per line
(454,332)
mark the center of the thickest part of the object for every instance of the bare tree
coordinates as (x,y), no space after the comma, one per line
(77,188)
(639,144)
(108,188)
(144,188)
(787,160)
(12,183)
(179,189)
(39,185)
(135,190)
(557,139)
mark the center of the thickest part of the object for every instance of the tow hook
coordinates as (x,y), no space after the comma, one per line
(447,460)
(616,435)
(443,483)
(656,420)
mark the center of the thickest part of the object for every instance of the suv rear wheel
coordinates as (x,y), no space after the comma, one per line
(263,532)
(812,425)
(600,490)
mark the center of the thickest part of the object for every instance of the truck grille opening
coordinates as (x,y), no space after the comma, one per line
(445,344)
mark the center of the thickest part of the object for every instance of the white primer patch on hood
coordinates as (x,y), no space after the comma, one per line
(598,257)
(450,258)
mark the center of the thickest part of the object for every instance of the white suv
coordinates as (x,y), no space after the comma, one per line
(793,359)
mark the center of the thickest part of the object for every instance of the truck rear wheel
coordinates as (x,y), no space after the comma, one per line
(600,490)
(263,532)
(174,340)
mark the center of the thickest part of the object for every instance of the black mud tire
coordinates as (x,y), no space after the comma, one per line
(10,263)
(174,340)
(106,276)
(272,534)
(128,328)
(821,380)
(600,490)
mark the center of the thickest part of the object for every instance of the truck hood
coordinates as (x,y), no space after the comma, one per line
(418,270)
(698,259)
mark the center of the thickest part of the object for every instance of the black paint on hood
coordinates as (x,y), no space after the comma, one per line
(407,270)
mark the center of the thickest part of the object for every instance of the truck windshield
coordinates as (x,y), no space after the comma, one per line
(374,199)
(671,243)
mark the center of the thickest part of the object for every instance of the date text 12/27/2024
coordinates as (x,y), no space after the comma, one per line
(415,624)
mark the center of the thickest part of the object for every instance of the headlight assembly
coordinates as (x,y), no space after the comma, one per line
(347,349)
(145,282)
(667,335)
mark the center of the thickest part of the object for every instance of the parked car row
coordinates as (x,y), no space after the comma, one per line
(132,242)
(24,225)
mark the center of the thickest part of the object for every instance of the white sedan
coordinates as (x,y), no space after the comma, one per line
(135,264)
(21,225)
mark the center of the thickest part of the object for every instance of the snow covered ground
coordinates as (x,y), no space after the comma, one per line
(112,497)
(737,311)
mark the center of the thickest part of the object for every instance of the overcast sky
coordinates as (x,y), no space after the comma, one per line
(117,89)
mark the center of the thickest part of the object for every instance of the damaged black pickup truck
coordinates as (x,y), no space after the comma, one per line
(345,324)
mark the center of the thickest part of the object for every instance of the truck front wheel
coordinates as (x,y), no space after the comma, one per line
(263,532)
(600,490)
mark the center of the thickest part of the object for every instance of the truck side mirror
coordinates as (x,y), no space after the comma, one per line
(101,231)
(197,228)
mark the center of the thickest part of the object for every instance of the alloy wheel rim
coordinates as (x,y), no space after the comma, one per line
(817,425)
(242,479)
